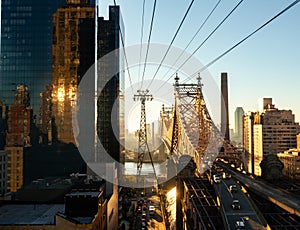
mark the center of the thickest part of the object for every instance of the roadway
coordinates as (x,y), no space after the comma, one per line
(247,210)
(283,199)
(143,219)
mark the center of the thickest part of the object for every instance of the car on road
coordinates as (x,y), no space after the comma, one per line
(233,188)
(139,210)
(235,205)
(226,176)
(217,179)
(144,224)
(239,225)
(151,210)
(144,220)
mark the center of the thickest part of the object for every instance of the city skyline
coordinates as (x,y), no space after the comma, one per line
(251,67)
(74,163)
(247,65)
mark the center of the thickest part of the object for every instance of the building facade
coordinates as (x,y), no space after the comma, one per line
(45,117)
(26,44)
(291,161)
(19,124)
(248,139)
(238,124)
(3,172)
(269,131)
(66,62)
(3,124)
(73,55)
(110,101)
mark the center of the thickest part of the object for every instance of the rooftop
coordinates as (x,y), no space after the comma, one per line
(21,214)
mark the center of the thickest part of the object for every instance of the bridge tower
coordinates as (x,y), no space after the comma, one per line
(143,96)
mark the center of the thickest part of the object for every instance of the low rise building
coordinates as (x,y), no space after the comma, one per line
(86,206)
(291,161)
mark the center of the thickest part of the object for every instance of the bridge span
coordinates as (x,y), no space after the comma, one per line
(190,135)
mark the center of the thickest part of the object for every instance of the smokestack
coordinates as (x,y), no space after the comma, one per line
(224,107)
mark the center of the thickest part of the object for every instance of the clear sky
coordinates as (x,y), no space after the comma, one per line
(266,65)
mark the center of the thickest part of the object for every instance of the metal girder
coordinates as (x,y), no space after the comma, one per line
(198,136)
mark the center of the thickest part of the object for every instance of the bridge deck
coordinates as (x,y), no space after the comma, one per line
(285,200)
(247,210)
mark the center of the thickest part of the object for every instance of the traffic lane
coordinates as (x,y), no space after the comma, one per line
(246,210)
(155,221)
(250,223)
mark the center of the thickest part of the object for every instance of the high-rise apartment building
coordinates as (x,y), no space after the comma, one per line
(269,131)
(66,63)
(111,101)
(75,62)
(26,44)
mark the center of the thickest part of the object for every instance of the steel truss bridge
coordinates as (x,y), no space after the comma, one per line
(189,133)
(188,129)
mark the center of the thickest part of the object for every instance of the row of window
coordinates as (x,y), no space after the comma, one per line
(2,158)
(2,175)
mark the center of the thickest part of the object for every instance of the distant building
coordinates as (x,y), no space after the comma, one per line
(271,131)
(18,136)
(238,121)
(264,103)
(291,161)
(3,172)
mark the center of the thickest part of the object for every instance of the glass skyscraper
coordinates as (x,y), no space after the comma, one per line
(35,53)
(26,47)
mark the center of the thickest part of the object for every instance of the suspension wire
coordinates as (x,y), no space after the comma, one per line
(218,26)
(123,45)
(142,35)
(244,39)
(149,37)
(197,32)
(175,35)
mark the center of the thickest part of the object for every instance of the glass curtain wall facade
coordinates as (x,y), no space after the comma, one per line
(26,47)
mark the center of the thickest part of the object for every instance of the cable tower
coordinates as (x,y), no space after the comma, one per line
(143,96)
